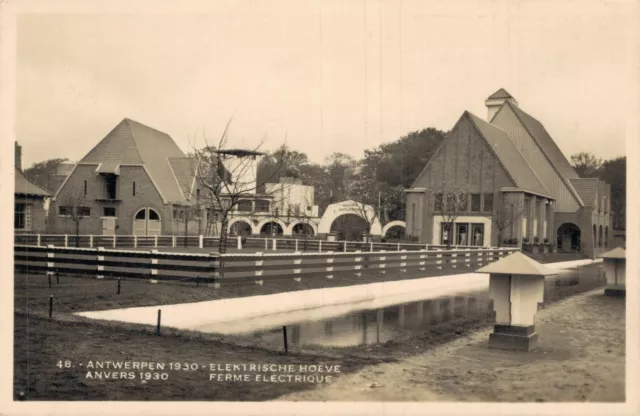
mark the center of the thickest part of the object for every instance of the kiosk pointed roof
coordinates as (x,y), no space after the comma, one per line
(519,264)
(616,253)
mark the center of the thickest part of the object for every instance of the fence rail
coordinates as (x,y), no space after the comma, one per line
(199,241)
(242,268)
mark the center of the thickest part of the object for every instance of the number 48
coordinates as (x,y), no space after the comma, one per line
(64,364)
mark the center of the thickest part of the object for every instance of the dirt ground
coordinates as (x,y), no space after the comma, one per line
(580,358)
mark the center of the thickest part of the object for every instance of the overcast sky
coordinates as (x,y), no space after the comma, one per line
(329,76)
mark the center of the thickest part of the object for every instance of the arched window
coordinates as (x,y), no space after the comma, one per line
(142,214)
(606,236)
(600,237)
(153,215)
(595,237)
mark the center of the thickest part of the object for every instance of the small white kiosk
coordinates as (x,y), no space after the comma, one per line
(516,285)
(614,262)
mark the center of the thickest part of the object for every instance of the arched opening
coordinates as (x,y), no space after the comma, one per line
(600,237)
(568,238)
(397,232)
(350,227)
(303,229)
(271,229)
(147,222)
(595,237)
(606,236)
(241,228)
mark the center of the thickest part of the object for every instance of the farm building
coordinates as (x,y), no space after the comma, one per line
(517,185)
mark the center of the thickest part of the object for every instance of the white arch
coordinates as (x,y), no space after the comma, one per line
(242,219)
(393,224)
(314,227)
(268,220)
(334,211)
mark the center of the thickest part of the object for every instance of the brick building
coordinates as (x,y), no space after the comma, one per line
(519,187)
(134,181)
(29,201)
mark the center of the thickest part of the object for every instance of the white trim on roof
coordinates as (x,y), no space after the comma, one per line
(69,175)
(513,189)
(175,178)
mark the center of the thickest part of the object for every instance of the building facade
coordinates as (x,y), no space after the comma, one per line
(30,201)
(517,185)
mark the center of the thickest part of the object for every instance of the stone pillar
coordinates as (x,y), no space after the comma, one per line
(516,286)
(614,263)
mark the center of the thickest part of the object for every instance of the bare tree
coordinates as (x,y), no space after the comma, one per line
(76,210)
(450,204)
(226,176)
(504,217)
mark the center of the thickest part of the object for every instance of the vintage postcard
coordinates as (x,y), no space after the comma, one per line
(319,207)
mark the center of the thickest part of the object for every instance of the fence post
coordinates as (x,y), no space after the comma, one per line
(135,241)
(358,266)
(266,244)
(260,262)
(155,241)
(284,335)
(398,246)
(158,324)
(297,262)
(239,242)
(296,245)
(330,268)
(320,246)
(215,265)
(154,260)
(467,259)
(403,263)
(50,306)
(345,246)
(371,246)
(66,240)
(38,240)
(200,241)
(173,241)
(114,241)
(274,244)
(422,261)
(382,264)
(454,260)
(480,256)
(426,247)
(100,260)
(439,259)
(91,241)
(50,259)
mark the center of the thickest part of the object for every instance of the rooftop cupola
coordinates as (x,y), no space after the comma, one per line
(495,101)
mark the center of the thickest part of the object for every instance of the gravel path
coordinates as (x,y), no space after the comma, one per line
(581,357)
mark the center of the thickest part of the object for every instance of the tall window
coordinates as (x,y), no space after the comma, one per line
(413,216)
(488,203)
(134,189)
(110,186)
(22,217)
(475,203)
(85,187)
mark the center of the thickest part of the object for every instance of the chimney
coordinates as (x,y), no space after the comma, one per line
(495,101)
(18,157)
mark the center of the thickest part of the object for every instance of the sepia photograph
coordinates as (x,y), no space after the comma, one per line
(319,207)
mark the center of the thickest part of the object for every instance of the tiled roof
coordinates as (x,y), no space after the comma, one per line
(133,143)
(616,253)
(25,187)
(501,93)
(546,143)
(509,155)
(587,188)
(184,169)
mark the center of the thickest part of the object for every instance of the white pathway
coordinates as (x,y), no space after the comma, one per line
(255,312)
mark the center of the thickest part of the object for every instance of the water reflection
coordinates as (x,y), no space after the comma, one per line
(379,325)
(371,326)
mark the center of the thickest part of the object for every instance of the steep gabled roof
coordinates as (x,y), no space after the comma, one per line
(501,93)
(545,142)
(133,143)
(25,187)
(509,155)
(587,188)
(184,170)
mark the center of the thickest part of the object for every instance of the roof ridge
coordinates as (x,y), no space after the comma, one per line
(135,142)
(496,155)
(145,126)
(516,111)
